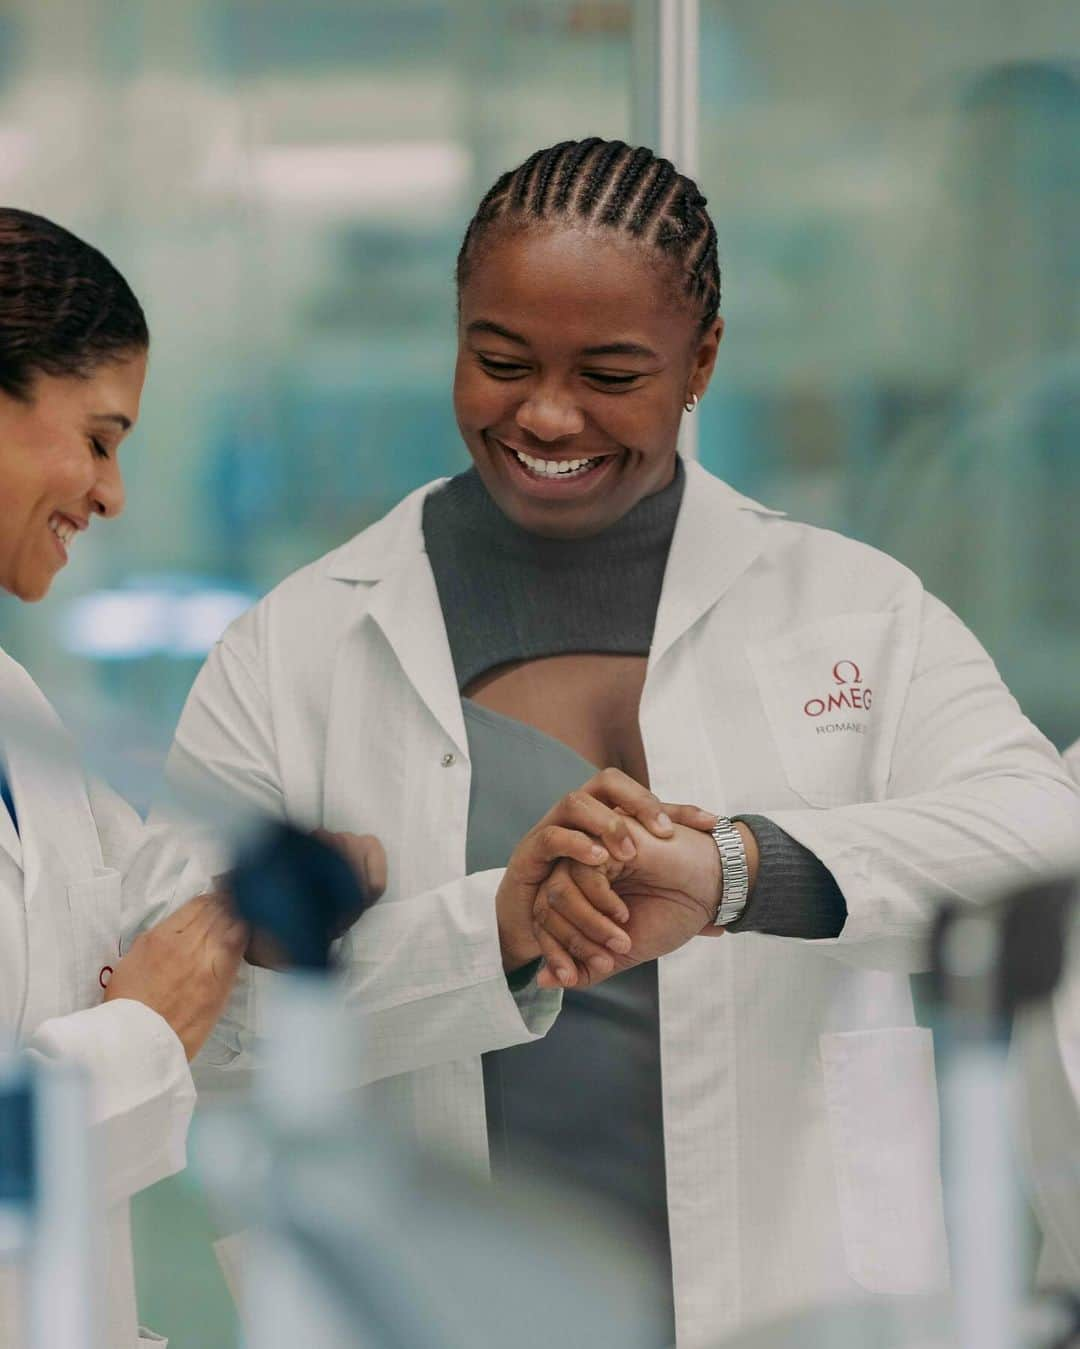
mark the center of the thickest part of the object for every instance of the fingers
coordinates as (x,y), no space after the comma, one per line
(693,817)
(617,789)
(584,901)
(598,960)
(559,970)
(223,944)
(587,814)
(194,917)
(364,853)
(551,842)
(375,865)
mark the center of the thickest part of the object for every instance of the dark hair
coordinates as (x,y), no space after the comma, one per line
(611,184)
(64,308)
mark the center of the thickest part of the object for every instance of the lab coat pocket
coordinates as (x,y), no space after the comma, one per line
(881,1103)
(95,910)
(826,693)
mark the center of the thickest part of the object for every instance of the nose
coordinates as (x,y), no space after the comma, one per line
(107,496)
(550,415)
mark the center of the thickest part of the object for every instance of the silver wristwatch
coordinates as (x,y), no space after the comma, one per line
(735,884)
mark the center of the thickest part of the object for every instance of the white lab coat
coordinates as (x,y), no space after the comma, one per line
(63,917)
(800,1117)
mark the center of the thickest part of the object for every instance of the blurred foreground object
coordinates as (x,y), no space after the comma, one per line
(358,1240)
(50,1208)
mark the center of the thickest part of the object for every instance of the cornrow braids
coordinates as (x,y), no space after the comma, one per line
(545,175)
(629,190)
(571,168)
(631,175)
(524,175)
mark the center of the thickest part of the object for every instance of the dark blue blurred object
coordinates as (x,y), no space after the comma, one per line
(297,892)
(16,1141)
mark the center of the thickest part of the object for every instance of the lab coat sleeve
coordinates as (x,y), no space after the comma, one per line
(978,802)
(425,970)
(141,1089)
(424,976)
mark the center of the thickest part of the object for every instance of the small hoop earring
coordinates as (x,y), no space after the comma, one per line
(691,403)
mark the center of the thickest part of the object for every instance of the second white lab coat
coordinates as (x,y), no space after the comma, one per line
(63,921)
(793,673)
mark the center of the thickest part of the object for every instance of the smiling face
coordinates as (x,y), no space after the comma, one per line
(58,466)
(576,353)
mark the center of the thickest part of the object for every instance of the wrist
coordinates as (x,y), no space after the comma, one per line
(516,947)
(737,848)
(753,853)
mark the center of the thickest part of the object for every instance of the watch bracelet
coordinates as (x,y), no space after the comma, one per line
(735,879)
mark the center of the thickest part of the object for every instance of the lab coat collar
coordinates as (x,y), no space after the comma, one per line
(56,830)
(9,839)
(21,706)
(405,606)
(717,536)
(387,545)
(708,503)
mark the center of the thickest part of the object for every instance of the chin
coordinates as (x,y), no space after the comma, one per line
(32,591)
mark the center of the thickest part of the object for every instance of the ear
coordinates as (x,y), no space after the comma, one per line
(704,358)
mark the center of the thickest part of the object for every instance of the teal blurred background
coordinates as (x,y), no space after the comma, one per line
(897,194)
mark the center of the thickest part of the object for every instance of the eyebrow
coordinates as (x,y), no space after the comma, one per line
(621,349)
(606,349)
(124,423)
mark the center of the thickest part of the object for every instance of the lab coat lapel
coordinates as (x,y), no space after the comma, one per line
(405,606)
(717,537)
(9,839)
(56,830)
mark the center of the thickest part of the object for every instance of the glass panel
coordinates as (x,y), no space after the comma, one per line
(897,192)
(286,186)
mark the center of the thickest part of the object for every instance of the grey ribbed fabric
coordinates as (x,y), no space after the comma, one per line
(509,595)
(795,894)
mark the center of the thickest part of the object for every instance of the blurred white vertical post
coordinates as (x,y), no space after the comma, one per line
(666,99)
(65,1268)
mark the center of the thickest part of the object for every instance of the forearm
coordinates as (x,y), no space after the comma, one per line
(792,892)
(142,1094)
(895,861)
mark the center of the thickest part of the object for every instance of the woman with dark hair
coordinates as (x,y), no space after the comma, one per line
(74,986)
(763,1107)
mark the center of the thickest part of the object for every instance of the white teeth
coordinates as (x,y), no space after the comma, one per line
(63,529)
(554,468)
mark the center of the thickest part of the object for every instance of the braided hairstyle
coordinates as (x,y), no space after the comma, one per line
(64,308)
(608,184)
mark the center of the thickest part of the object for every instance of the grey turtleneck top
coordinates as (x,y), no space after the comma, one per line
(496,582)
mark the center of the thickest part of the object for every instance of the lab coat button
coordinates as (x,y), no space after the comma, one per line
(448,760)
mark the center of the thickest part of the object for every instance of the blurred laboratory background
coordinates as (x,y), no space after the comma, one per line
(285,183)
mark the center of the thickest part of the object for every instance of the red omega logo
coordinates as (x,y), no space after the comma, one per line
(851,696)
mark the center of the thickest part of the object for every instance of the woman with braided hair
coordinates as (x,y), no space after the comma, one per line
(761,1109)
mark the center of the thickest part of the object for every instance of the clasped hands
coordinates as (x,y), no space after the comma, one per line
(609,878)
